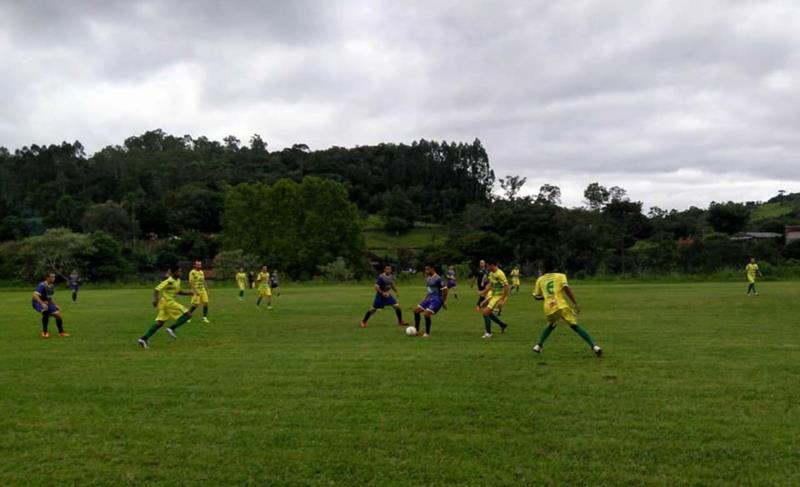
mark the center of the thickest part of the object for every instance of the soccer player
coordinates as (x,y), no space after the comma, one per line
(42,302)
(495,296)
(451,280)
(552,288)
(384,285)
(168,307)
(264,291)
(274,283)
(515,278)
(241,281)
(74,281)
(752,272)
(197,281)
(480,281)
(435,300)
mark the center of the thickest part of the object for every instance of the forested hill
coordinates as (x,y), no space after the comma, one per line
(167,185)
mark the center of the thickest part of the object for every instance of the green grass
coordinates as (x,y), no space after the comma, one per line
(770,210)
(699,386)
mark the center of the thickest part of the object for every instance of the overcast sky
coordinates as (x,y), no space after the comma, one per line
(680,102)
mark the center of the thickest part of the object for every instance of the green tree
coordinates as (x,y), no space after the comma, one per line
(59,250)
(728,217)
(110,217)
(596,196)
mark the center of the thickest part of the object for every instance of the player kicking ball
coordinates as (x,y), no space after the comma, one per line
(384,285)
(496,295)
(435,300)
(168,307)
(552,288)
(42,302)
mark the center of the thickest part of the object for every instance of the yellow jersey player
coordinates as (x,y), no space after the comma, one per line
(264,289)
(552,288)
(495,296)
(515,278)
(752,273)
(168,307)
(197,281)
(241,282)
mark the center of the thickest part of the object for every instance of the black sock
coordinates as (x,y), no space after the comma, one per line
(428,325)
(45,321)
(487,325)
(497,320)
(205,311)
(191,310)
(60,324)
(367,315)
(74,296)
(416,321)
(399,314)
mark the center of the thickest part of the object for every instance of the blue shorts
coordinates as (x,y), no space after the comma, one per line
(379,302)
(74,287)
(432,304)
(51,308)
(451,284)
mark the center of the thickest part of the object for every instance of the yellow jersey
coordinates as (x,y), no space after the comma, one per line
(241,279)
(515,273)
(752,270)
(550,287)
(497,282)
(263,280)
(197,279)
(168,289)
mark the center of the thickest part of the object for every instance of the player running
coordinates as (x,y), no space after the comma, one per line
(495,296)
(752,272)
(168,307)
(74,282)
(264,291)
(515,282)
(480,281)
(241,282)
(435,300)
(451,280)
(197,281)
(384,285)
(42,302)
(552,288)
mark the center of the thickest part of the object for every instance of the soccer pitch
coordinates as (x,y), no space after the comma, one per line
(698,385)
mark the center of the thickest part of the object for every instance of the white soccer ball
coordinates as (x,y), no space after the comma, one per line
(411,331)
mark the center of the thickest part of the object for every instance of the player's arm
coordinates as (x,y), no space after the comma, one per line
(156,295)
(186,293)
(571,296)
(506,290)
(38,298)
(394,288)
(445,291)
(538,295)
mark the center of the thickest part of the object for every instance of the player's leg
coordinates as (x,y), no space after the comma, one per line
(204,300)
(428,315)
(150,332)
(399,313)
(551,325)
(572,320)
(74,294)
(417,311)
(59,323)
(367,316)
(45,323)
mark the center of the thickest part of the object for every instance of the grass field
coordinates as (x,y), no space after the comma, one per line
(699,386)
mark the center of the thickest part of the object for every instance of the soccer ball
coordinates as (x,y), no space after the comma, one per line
(411,331)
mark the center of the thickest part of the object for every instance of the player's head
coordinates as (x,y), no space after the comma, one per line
(263,268)
(450,267)
(491,264)
(482,264)
(752,260)
(175,271)
(387,269)
(198,265)
(430,269)
(241,269)
(516,267)
(50,277)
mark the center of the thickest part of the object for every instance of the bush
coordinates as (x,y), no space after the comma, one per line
(337,271)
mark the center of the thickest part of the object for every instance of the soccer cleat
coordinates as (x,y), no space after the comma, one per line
(45,335)
(363,324)
(597,351)
(269,307)
(171,333)
(487,335)
(403,323)
(143,343)
(188,321)
(64,334)
(426,335)
(503,328)
(205,320)
(537,348)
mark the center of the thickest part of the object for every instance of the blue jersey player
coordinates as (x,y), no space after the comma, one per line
(435,300)
(384,285)
(42,302)
(74,283)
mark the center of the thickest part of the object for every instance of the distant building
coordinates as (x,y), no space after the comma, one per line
(755,236)
(792,233)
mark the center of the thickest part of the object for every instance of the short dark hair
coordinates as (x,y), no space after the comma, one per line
(548,264)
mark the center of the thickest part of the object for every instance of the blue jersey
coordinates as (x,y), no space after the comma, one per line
(451,275)
(45,291)
(384,282)
(435,285)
